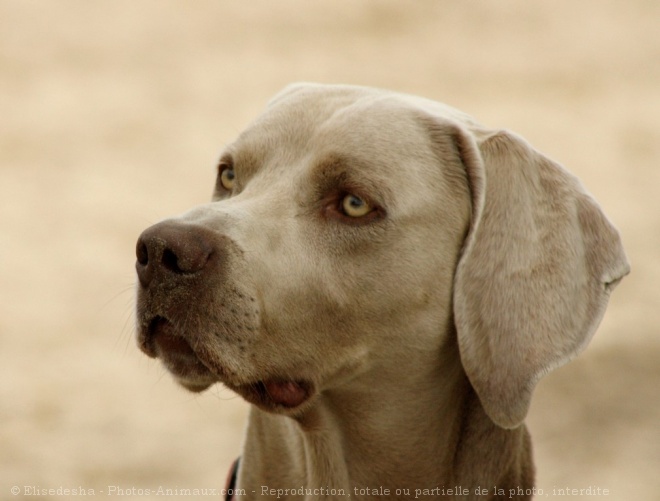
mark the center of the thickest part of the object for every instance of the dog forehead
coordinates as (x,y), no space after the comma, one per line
(378,126)
(297,113)
(323,100)
(299,117)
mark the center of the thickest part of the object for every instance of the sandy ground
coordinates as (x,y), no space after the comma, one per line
(112,114)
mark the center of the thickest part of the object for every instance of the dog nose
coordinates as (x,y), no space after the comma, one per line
(174,248)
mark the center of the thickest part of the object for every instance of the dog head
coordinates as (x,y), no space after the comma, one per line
(352,230)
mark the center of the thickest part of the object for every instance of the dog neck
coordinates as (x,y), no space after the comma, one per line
(374,440)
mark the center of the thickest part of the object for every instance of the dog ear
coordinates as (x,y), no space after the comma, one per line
(537,268)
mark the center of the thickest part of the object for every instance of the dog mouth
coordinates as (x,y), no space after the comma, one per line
(162,340)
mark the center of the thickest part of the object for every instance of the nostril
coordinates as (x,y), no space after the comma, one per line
(142,253)
(186,260)
(171,261)
(143,267)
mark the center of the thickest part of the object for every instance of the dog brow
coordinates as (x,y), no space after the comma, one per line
(350,172)
(243,160)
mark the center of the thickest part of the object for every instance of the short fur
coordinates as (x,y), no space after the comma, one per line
(396,351)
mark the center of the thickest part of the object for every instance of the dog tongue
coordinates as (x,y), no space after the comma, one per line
(286,393)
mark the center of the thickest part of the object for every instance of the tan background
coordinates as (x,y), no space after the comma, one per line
(112,114)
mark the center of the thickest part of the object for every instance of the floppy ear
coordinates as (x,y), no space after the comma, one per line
(537,268)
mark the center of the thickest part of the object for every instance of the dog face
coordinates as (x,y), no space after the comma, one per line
(334,232)
(354,232)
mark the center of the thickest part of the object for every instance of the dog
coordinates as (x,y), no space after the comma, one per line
(385,280)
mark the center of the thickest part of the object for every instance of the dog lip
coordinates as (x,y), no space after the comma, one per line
(273,394)
(160,340)
(286,393)
(155,327)
(172,344)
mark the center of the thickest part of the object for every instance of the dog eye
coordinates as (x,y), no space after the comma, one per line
(354,206)
(227,176)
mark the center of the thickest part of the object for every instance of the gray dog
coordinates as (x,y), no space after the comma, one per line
(386,281)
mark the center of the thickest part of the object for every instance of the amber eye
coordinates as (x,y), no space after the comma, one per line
(354,206)
(227,176)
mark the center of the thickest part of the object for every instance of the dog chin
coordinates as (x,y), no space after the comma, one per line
(195,386)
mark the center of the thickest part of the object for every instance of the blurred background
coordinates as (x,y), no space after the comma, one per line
(112,116)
